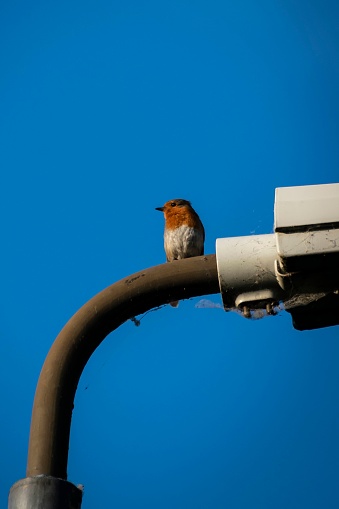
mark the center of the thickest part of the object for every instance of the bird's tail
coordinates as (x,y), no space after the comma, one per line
(174,304)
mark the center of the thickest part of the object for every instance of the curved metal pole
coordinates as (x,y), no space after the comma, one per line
(60,374)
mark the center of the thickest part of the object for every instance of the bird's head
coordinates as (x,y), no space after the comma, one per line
(175,206)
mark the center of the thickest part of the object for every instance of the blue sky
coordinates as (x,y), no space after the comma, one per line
(109,109)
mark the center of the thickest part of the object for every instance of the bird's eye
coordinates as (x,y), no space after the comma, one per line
(173,204)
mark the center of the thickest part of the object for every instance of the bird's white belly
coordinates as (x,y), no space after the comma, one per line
(183,242)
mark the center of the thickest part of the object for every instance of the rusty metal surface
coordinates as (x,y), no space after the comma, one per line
(133,295)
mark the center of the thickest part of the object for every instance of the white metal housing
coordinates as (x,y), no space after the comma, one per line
(297,266)
(306,220)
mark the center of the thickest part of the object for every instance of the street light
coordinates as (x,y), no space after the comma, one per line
(297,266)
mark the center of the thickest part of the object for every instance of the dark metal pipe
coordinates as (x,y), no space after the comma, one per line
(60,374)
(44,492)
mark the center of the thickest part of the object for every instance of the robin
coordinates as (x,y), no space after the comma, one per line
(184,233)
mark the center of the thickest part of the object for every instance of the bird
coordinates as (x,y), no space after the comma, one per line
(184,233)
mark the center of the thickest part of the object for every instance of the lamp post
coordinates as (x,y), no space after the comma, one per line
(46,485)
(298,266)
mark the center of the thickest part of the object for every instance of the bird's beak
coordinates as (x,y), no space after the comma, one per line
(159,208)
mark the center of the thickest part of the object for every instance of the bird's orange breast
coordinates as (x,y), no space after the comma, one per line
(180,218)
